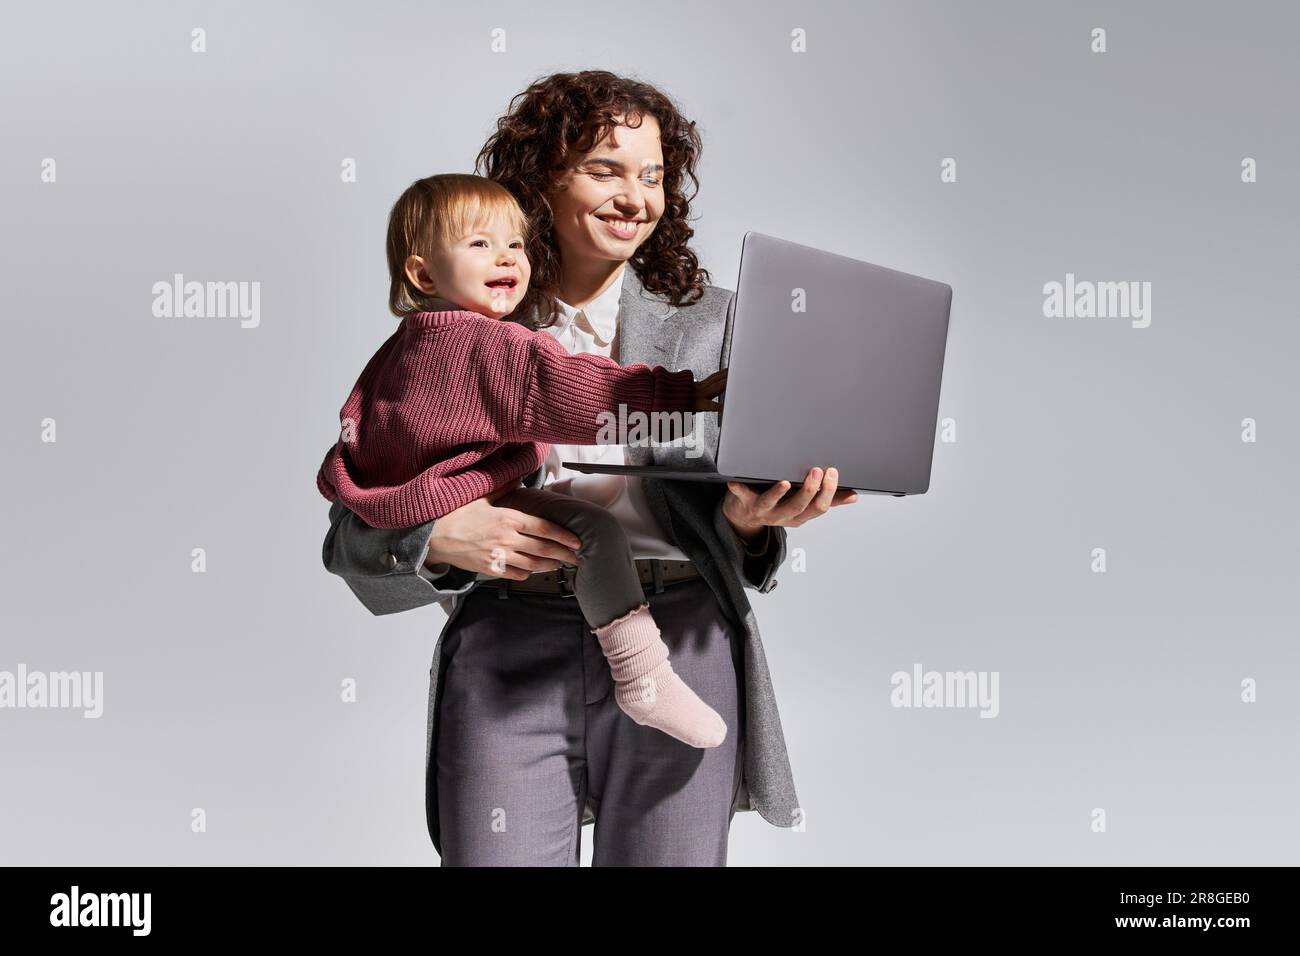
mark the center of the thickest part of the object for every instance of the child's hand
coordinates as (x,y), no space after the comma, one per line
(707,388)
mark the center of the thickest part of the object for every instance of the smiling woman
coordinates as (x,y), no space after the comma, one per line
(615,191)
(610,202)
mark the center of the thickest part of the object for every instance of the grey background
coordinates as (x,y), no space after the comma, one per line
(1118,691)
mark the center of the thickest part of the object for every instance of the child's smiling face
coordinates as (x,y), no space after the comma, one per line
(485,270)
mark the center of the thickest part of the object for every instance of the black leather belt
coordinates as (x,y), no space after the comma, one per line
(653,572)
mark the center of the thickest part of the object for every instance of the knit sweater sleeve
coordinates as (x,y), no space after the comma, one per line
(570,399)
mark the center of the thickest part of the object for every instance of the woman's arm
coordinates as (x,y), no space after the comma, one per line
(763,557)
(747,514)
(396,569)
(759,553)
(383,566)
(701,505)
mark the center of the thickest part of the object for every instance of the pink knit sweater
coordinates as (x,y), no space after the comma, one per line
(456,404)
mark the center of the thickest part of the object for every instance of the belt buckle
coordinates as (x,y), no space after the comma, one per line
(565,580)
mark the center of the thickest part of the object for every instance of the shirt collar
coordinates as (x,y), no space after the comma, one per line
(600,315)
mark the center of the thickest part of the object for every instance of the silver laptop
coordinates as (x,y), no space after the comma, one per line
(832,361)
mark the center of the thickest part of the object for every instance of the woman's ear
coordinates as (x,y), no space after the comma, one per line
(418,274)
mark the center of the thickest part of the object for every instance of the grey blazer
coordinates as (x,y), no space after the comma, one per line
(384,567)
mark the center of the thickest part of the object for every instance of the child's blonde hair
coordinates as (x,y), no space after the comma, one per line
(433,213)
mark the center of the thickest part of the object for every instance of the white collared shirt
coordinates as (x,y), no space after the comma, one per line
(594,328)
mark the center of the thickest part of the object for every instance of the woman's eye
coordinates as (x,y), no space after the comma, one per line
(603,175)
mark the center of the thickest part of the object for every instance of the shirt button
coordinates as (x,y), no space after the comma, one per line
(390,560)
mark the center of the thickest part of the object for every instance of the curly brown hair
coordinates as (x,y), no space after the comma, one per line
(565,114)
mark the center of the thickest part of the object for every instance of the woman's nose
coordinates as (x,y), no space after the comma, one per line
(629,210)
(628,200)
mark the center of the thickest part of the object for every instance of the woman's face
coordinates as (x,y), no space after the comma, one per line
(610,199)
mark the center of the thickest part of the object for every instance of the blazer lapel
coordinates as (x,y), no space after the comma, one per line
(643,335)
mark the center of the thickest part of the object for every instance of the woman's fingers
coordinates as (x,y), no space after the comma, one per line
(758,504)
(521,560)
(794,505)
(505,561)
(818,493)
(828,494)
(830,481)
(556,538)
(839,496)
(527,544)
(541,549)
(744,493)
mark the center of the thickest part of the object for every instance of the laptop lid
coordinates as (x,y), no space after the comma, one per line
(832,361)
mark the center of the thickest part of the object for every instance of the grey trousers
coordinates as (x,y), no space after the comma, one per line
(529,732)
(606,583)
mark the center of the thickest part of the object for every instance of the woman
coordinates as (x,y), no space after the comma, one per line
(525,740)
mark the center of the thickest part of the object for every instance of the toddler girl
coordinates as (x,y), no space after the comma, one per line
(460,403)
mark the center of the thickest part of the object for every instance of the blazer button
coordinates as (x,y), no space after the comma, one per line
(390,560)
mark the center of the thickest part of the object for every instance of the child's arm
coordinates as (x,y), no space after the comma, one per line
(572,399)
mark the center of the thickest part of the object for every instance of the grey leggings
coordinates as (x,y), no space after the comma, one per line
(606,583)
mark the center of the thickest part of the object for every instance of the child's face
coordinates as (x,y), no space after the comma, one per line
(485,271)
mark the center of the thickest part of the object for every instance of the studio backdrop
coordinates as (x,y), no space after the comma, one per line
(1079,646)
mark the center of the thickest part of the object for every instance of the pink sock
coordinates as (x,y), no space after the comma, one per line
(647,689)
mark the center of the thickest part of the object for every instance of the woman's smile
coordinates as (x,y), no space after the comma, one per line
(620,227)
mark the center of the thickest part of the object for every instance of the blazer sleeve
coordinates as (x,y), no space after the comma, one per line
(384,567)
(759,562)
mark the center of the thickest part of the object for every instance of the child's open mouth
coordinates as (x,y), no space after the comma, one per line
(501,284)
